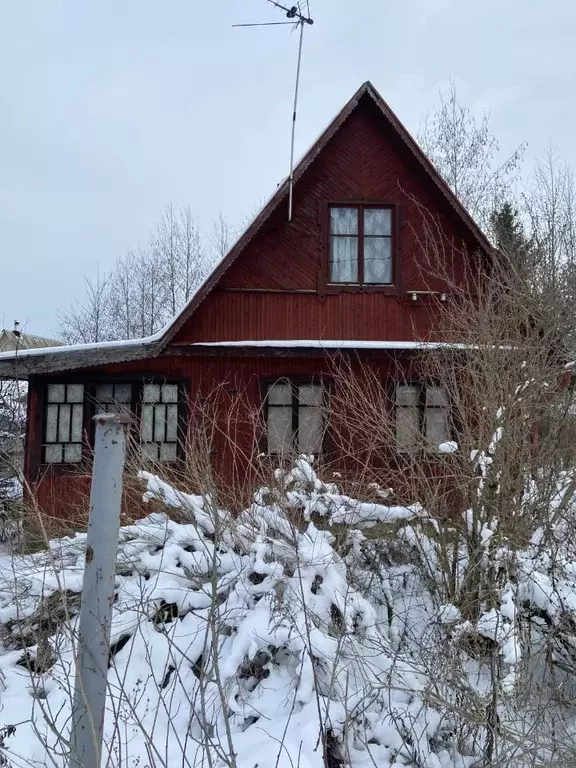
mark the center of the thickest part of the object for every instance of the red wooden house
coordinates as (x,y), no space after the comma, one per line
(344,274)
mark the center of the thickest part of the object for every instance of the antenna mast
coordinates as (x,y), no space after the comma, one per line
(294,111)
(298,19)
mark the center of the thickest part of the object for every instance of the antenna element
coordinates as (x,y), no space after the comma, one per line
(296,19)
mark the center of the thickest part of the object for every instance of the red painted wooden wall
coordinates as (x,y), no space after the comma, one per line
(228,390)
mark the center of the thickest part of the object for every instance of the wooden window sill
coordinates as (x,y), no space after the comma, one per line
(388,290)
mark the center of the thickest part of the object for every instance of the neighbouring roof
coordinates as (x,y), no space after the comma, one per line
(13,341)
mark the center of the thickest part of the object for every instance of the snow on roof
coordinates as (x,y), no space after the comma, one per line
(71,348)
(332,344)
(24,362)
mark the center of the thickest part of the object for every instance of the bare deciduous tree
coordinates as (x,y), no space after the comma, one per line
(550,207)
(192,254)
(148,285)
(89,320)
(222,235)
(465,152)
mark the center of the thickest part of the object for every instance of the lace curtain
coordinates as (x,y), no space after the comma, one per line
(344,245)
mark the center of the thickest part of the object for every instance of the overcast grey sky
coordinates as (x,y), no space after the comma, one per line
(109,109)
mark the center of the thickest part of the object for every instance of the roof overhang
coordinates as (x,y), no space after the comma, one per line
(306,348)
(30,362)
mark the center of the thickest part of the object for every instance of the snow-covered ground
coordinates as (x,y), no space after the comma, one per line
(251,641)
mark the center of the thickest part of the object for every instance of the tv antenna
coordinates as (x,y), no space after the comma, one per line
(297,20)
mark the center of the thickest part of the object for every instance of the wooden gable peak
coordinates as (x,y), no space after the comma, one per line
(367,90)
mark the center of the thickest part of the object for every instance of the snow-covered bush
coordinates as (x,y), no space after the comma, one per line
(261,638)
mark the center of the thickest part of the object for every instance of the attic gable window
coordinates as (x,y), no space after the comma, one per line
(361,245)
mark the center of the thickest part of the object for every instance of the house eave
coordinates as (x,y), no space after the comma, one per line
(31,362)
(304,348)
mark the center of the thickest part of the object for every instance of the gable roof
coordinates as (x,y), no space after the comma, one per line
(366,90)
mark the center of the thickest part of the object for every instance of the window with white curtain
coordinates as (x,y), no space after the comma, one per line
(361,245)
(64,420)
(422,414)
(295,417)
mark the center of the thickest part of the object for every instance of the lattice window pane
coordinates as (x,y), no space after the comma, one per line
(169,393)
(310,394)
(378,221)
(123,393)
(344,259)
(168,452)
(150,451)
(104,393)
(151,393)
(76,425)
(73,452)
(437,396)
(56,393)
(74,393)
(310,429)
(172,423)
(407,394)
(159,422)
(377,260)
(280,430)
(52,423)
(53,454)
(343,221)
(147,423)
(63,423)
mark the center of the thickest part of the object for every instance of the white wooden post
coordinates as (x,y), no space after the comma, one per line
(93,644)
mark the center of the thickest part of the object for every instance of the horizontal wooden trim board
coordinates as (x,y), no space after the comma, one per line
(266,290)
